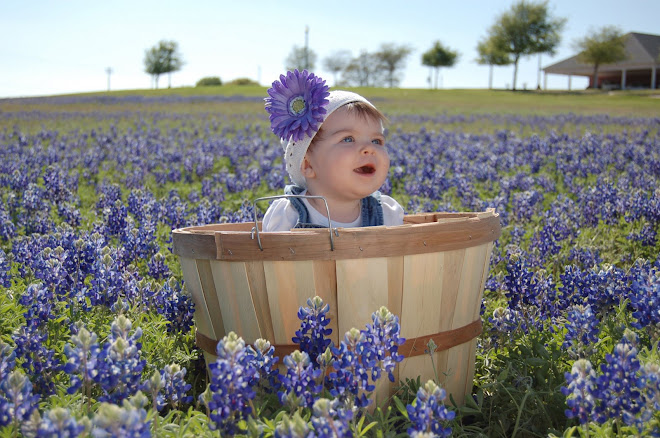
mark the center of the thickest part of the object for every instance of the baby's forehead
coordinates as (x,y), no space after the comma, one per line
(351,114)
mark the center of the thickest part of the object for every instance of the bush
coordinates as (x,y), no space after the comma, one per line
(209,82)
(243,81)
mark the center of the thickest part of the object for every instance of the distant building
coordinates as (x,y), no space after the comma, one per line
(640,69)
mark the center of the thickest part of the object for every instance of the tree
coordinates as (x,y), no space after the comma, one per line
(605,46)
(163,58)
(337,62)
(393,60)
(439,56)
(364,71)
(491,52)
(527,29)
(300,58)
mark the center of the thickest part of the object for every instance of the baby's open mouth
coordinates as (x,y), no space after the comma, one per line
(368,169)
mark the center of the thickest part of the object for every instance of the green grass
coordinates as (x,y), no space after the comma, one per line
(645,103)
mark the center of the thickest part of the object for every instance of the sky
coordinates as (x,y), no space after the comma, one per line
(57,47)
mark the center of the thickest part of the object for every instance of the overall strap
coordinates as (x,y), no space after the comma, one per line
(371,209)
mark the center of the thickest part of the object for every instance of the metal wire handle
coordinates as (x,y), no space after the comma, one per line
(255,229)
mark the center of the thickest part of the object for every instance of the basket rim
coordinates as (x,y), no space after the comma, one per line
(420,233)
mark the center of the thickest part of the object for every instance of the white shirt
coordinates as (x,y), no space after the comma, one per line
(282,215)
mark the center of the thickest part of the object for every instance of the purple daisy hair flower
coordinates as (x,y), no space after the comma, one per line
(297,104)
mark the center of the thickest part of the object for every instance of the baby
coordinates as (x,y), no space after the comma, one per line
(334,148)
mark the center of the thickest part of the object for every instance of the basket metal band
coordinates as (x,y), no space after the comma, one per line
(410,348)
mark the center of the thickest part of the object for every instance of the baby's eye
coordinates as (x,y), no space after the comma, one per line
(348,139)
(377,141)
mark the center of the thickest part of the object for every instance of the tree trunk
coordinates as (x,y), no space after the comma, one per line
(437,73)
(515,72)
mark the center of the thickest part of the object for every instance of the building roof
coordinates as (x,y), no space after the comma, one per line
(642,52)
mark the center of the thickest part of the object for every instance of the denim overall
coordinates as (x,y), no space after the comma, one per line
(371,209)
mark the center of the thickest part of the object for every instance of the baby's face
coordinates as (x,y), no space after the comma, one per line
(349,161)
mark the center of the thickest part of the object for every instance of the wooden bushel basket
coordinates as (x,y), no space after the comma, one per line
(430,271)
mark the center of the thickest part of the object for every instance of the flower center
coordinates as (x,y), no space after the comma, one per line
(297,106)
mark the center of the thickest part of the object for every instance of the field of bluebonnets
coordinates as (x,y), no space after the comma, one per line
(96,329)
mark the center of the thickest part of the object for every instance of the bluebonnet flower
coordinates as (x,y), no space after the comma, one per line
(579,392)
(157,267)
(647,236)
(174,304)
(139,242)
(82,357)
(232,380)
(115,216)
(153,387)
(128,420)
(175,387)
(7,227)
(296,105)
(56,184)
(312,335)
(16,399)
(531,293)
(330,419)
(5,268)
(38,360)
(616,386)
(59,423)
(264,360)
(7,363)
(107,282)
(427,412)
(69,213)
(349,374)
(582,327)
(108,195)
(525,204)
(119,368)
(644,298)
(293,427)
(299,383)
(379,350)
(505,321)
(585,257)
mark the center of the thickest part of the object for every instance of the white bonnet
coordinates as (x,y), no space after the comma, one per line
(294,151)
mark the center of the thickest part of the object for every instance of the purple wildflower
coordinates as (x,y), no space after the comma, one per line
(312,336)
(299,386)
(128,420)
(580,391)
(427,413)
(59,423)
(582,327)
(5,267)
(330,419)
(232,378)
(296,105)
(119,364)
(16,399)
(82,354)
(293,427)
(264,360)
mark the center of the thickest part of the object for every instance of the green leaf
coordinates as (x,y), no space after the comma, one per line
(400,407)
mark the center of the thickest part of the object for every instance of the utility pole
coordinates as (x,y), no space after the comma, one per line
(538,79)
(109,72)
(306,47)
